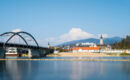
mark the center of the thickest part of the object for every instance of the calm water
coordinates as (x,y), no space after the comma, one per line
(65,70)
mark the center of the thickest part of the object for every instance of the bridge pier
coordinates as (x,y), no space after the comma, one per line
(34,53)
(29,53)
(2,52)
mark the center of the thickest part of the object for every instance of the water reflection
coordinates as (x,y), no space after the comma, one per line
(126,67)
(64,70)
(2,70)
(17,70)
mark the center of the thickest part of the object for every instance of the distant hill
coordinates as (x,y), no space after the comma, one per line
(93,40)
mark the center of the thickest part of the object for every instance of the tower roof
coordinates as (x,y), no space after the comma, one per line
(101,37)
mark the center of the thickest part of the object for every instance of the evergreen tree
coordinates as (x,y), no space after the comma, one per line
(124,44)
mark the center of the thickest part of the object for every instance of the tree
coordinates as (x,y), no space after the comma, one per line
(124,44)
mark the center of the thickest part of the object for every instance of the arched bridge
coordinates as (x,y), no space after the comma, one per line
(20,49)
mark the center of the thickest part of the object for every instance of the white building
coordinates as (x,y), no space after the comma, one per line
(11,51)
(87,44)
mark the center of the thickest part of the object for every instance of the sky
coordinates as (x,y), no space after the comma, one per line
(58,21)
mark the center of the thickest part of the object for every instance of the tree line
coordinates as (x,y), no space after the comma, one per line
(124,44)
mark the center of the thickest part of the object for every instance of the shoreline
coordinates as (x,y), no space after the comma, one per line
(65,60)
(86,54)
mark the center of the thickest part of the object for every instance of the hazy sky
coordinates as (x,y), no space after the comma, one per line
(66,20)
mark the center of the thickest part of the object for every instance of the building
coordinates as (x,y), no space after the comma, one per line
(85,49)
(101,40)
(102,46)
(11,51)
(87,44)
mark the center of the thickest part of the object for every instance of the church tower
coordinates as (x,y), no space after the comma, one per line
(49,45)
(101,40)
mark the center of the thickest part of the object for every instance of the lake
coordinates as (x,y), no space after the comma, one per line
(66,70)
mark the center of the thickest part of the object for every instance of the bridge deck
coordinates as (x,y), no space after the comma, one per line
(22,46)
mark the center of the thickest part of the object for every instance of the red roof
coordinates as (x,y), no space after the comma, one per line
(86,48)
